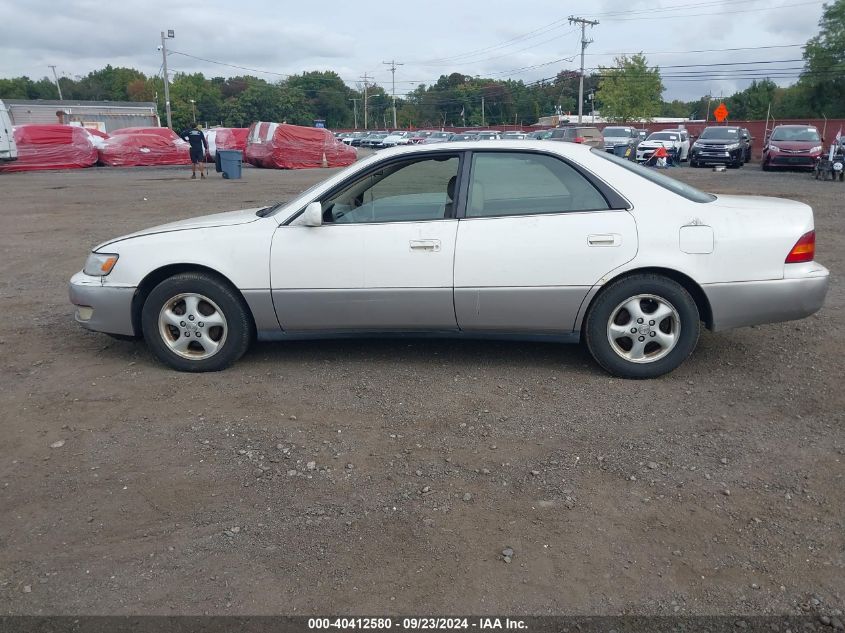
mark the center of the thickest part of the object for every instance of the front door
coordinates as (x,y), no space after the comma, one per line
(536,237)
(382,259)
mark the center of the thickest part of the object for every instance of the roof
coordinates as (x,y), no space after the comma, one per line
(80,104)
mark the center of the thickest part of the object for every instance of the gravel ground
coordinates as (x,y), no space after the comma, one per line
(390,476)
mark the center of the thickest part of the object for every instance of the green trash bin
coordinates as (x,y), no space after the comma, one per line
(231,162)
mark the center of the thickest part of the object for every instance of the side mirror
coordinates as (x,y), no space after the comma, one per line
(313,215)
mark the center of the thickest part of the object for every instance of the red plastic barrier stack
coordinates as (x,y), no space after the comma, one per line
(129,147)
(283,146)
(231,138)
(51,147)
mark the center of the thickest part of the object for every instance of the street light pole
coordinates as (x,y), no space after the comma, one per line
(193,110)
(355,110)
(170,35)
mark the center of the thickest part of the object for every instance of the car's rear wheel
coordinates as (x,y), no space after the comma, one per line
(642,326)
(196,322)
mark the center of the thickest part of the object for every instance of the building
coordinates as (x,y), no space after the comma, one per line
(105,116)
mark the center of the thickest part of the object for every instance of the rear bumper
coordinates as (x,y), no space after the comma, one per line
(738,304)
(101,308)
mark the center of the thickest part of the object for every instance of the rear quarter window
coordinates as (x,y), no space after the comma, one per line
(675,186)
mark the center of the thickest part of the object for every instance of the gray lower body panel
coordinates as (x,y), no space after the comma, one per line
(381,309)
(260,303)
(755,302)
(538,310)
(103,309)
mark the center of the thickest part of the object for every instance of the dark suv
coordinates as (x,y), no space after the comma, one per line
(722,145)
(578,134)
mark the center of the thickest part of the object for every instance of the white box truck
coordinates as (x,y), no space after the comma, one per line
(8,149)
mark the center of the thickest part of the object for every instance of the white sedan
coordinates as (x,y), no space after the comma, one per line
(524,239)
(672,140)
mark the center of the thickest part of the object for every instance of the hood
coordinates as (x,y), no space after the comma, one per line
(618,139)
(718,141)
(795,144)
(656,144)
(229,218)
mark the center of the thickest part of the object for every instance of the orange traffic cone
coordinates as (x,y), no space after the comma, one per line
(325,162)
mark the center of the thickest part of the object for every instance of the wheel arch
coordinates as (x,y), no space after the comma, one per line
(688,283)
(155,277)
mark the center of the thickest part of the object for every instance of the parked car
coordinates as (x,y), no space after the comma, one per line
(462,136)
(792,146)
(676,141)
(420,135)
(351,136)
(747,143)
(643,134)
(585,135)
(540,135)
(514,136)
(437,137)
(620,135)
(8,147)
(722,145)
(557,240)
(397,138)
(488,135)
(374,140)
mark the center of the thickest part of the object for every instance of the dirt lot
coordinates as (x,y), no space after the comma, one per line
(717,489)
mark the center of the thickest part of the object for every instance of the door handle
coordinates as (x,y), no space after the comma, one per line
(607,239)
(425,245)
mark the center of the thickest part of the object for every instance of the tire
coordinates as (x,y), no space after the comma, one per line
(693,164)
(765,166)
(663,345)
(219,333)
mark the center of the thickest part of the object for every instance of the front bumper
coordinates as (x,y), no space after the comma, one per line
(717,156)
(799,294)
(792,160)
(102,308)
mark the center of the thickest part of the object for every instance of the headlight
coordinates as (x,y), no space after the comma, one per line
(817,148)
(774,148)
(100,264)
(732,146)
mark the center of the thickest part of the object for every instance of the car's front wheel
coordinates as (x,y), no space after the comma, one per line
(196,322)
(642,326)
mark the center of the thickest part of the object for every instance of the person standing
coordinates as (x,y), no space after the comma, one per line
(199,149)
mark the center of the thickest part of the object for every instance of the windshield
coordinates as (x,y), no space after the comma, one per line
(663,136)
(617,131)
(652,175)
(795,134)
(720,133)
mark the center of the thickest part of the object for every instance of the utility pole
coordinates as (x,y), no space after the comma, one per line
(584,43)
(355,110)
(365,78)
(482,112)
(393,65)
(56,78)
(170,35)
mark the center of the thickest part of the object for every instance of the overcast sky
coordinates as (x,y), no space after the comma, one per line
(526,40)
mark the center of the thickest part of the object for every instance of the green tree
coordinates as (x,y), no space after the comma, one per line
(630,90)
(824,57)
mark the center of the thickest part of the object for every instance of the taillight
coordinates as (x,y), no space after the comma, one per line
(580,139)
(804,249)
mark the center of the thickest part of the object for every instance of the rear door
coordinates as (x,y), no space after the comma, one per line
(535,236)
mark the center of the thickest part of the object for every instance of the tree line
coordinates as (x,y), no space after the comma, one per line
(627,90)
